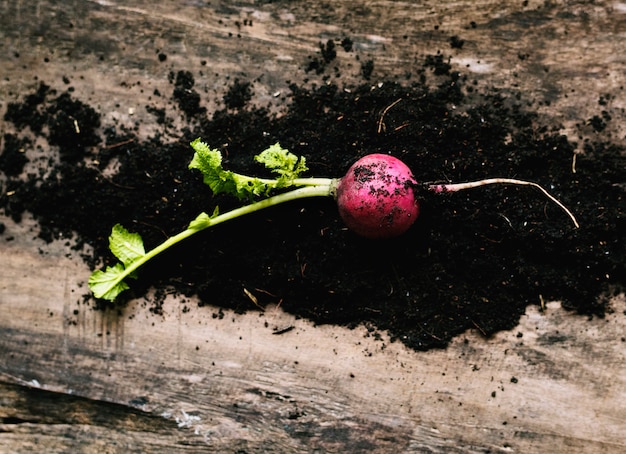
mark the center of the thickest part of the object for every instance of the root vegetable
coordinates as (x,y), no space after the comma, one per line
(375,199)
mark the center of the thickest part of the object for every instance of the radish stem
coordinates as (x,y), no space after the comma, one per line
(324,190)
(317,187)
(453,187)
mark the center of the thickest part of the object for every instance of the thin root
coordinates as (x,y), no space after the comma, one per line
(474,184)
(381,124)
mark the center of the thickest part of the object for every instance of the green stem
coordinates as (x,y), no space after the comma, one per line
(326,189)
(315,187)
(295,182)
(315,182)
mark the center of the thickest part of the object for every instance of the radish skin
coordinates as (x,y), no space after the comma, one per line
(375,198)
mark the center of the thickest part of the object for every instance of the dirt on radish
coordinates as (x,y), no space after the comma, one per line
(376,199)
(473,259)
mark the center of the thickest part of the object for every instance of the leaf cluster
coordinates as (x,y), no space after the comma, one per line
(129,248)
(279,160)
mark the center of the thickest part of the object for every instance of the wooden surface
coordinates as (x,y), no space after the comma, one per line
(77,380)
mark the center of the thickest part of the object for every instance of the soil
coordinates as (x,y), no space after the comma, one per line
(474,259)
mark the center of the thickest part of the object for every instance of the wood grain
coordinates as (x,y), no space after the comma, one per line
(75,379)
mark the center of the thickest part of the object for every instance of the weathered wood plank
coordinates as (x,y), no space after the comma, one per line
(314,387)
(75,379)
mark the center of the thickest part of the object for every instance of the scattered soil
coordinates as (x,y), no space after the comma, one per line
(473,260)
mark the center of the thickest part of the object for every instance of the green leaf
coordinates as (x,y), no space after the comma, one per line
(209,162)
(125,245)
(203,220)
(283,162)
(107,284)
(128,248)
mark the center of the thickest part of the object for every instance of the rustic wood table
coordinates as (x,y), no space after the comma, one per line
(132,381)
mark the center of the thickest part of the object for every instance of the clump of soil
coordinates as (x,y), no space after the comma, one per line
(474,259)
(13,158)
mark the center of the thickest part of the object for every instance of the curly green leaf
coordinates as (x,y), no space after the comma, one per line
(209,162)
(286,164)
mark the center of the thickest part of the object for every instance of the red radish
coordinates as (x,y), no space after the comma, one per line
(376,199)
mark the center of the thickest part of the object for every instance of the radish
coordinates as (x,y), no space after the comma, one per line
(375,199)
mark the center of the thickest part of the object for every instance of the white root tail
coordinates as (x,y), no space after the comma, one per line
(474,184)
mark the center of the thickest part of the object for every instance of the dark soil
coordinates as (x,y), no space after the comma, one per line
(474,259)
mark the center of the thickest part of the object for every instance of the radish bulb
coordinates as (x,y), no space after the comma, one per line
(376,199)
